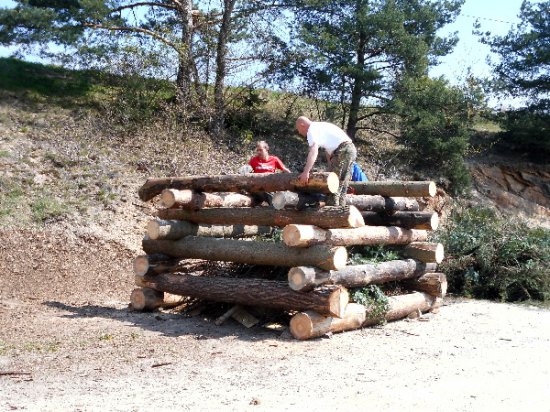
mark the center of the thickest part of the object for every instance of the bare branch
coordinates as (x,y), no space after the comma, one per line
(150,33)
(146,3)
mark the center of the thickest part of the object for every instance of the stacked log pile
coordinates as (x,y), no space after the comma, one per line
(217,218)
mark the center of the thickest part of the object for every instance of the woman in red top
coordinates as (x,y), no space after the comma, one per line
(263,162)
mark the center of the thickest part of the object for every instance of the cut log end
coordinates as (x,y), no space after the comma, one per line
(146,299)
(153,229)
(434,222)
(302,235)
(339,259)
(141,265)
(439,253)
(301,326)
(301,278)
(169,197)
(432,189)
(333,182)
(355,218)
(426,251)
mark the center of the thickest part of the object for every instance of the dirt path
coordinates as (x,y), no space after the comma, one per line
(100,356)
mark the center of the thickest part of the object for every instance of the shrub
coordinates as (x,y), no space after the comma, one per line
(495,258)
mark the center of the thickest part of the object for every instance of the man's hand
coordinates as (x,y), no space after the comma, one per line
(304,177)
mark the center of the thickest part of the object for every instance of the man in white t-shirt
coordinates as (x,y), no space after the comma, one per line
(340,151)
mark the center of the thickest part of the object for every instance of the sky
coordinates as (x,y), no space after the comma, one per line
(496,16)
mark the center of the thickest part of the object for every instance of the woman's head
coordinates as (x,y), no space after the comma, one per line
(262,149)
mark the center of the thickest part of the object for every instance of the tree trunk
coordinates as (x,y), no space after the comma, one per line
(328,300)
(221,69)
(176,229)
(327,217)
(406,220)
(253,252)
(187,199)
(380,204)
(150,299)
(298,235)
(304,278)
(184,75)
(311,325)
(397,188)
(261,182)
(434,284)
(357,90)
(425,251)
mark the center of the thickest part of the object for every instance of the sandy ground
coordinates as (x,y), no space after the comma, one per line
(474,355)
(69,342)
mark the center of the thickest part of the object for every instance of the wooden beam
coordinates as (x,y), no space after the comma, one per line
(395,188)
(176,229)
(250,252)
(261,182)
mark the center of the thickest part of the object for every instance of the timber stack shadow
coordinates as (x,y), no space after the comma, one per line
(217,218)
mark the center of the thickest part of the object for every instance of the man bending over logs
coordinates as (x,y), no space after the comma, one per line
(340,150)
(264,163)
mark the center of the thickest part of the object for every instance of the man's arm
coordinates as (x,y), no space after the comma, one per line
(311,158)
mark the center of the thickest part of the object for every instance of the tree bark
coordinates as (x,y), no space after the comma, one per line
(380,204)
(297,235)
(218,119)
(150,299)
(184,74)
(303,278)
(357,89)
(328,300)
(187,199)
(261,182)
(255,253)
(176,229)
(395,188)
(425,251)
(311,325)
(434,284)
(327,217)
(406,220)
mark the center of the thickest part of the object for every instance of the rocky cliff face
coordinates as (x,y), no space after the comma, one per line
(515,189)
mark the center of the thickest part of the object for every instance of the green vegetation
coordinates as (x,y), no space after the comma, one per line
(374,299)
(436,125)
(46,207)
(495,258)
(360,255)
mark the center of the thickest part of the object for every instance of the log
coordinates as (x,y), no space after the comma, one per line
(176,229)
(150,299)
(307,325)
(253,183)
(187,199)
(380,204)
(425,251)
(249,252)
(306,235)
(395,188)
(303,278)
(406,220)
(311,325)
(152,265)
(434,284)
(328,300)
(327,217)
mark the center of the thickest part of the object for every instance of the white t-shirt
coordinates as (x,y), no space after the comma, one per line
(326,135)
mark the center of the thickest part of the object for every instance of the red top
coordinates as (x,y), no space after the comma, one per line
(269,165)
